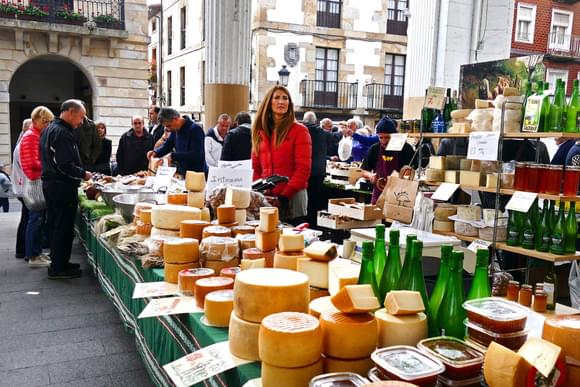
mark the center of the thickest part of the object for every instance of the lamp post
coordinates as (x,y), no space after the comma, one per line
(283,74)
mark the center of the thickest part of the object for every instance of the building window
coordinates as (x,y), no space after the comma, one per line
(397,17)
(182,86)
(328,14)
(169,91)
(561,30)
(183,20)
(553,74)
(394,74)
(169,35)
(326,76)
(154,25)
(525,23)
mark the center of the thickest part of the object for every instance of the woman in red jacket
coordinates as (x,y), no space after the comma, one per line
(282,146)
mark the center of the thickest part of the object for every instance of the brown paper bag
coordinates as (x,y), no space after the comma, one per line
(400,192)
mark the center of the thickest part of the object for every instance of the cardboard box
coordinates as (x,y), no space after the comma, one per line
(400,213)
(350,208)
(472,178)
(452,177)
(328,220)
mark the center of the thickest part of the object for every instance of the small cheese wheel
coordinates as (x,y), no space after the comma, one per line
(226,214)
(216,231)
(564,331)
(400,330)
(145,215)
(316,271)
(291,242)
(230,272)
(267,241)
(290,339)
(161,232)
(169,216)
(207,285)
(205,214)
(348,336)
(192,229)
(194,181)
(504,368)
(261,292)
(179,198)
(443,212)
(215,248)
(218,307)
(246,241)
(243,229)
(255,253)
(241,216)
(357,366)
(196,199)
(142,206)
(272,376)
(188,277)
(181,250)
(218,266)
(143,228)
(268,219)
(238,197)
(287,260)
(243,337)
(321,251)
(247,264)
(443,225)
(171,271)
(321,305)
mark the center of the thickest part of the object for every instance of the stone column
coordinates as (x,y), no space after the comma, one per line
(228,51)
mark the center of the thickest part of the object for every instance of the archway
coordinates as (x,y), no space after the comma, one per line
(46,80)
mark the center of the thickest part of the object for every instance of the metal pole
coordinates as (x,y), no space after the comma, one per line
(160,65)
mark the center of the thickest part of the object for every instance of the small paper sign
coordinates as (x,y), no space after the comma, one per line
(154,289)
(478,244)
(163,178)
(483,146)
(436,97)
(169,306)
(397,142)
(445,191)
(228,177)
(521,201)
(203,364)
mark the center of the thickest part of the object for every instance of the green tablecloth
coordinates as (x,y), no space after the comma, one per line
(159,340)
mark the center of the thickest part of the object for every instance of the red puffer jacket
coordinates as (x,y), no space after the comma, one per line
(293,158)
(30,154)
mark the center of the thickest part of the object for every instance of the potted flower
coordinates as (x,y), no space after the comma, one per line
(69,16)
(32,12)
(8,10)
(106,21)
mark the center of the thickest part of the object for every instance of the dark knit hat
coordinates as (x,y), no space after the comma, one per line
(386,125)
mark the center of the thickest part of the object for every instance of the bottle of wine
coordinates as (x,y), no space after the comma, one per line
(451,313)
(367,269)
(573,112)
(545,110)
(393,267)
(447,110)
(407,264)
(551,288)
(380,255)
(417,282)
(513,229)
(557,108)
(440,283)
(571,230)
(544,231)
(480,286)
(529,229)
(427,116)
(558,233)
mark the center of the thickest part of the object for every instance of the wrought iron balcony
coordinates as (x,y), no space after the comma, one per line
(329,94)
(562,45)
(104,13)
(379,96)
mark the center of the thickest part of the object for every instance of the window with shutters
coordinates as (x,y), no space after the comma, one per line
(326,76)
(169,35)
(394,80)
(397,17)
(328,13)
(183,22)
(561,30)
(169,90)
(525,24)
(181,86)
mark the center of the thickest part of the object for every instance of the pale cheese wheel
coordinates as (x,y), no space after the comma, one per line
(316,271)
(400,330)
(188,277)
(160,232)
(321,305)
(207,285)
(504,368)
(179,198)
(238,197)
(261,292)
(145,215)
(169,216)
(287,260)
(194,181)
(192,229)
(230,272)
(196,199)
(269,219)
(243,229)
(348,336)
(357,366)
(171,271)
(218,307)
(218,266)
(273,376)
(443,226)
(142,206)
(216,231)
(443,212)
(243,337)
(291,242)
(241,216)
(255,253)
(267,241)
(143,228)
(290,339)
(469,213)
(247,241)
(226,214)
(181,250)
(219,248)
(247,264)
(205,214)
(564,331)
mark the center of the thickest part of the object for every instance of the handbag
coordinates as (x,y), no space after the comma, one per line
(574,284)
(32,195)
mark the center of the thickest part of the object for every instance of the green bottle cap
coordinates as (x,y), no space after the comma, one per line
(482,257)
(446,252)
(367,248)
(380,231)
(394,234)
(456,262)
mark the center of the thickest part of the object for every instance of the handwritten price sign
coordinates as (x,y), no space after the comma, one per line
(435,98)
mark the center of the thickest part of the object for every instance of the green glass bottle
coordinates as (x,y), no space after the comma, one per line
(367,268)
(544,231)
(417,282)
(447,110)
(454,101)
(571,230)
(380,255)
(406,269)
(393,267)
(530,228)
(427,116)
(551,288)
(451,313)
(573,112)
(440,283)
(514,229)
(480,287)
(557,108)
(544,109)
(558,233)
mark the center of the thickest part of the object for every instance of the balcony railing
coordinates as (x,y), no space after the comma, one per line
(104,13)
(329,94)
(379,96)
(564,45)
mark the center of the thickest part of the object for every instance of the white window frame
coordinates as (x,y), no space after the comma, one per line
(553,74)
(565,46)
(532,28)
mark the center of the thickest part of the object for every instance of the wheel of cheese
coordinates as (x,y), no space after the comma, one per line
(267,241)
(179,198)
(192,229)
(564,331)
(171,271)
(269,219)
(348,336)
(194,181)
(241,216)
(443,212)
(469,213)
(164,233)
(443,225)
(230,272)
(142,228)
(218,307)
(238,197)
(261,292)
(207,285)
(181,250)
(255,253)
(196,199)
(216,231)
(246,241)
(226,214)
(273,376)
(316,271)
(247,264)
(243,337)
(169,216)
(400,330)
(243,229)
(357,366)
(205,214)
(145,215)
(291,242)
(219,248)
(187,279)
(218,266)
(321,305)
(287,260)
(142,206)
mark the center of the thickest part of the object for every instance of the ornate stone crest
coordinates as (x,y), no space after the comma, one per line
(291,54)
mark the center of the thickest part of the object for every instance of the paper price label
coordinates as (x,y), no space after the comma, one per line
(445,191)
(483,146)
(478,244)
(436,97)
(168,306)
(163,178)
(397,142)
(521,201)
(154,289)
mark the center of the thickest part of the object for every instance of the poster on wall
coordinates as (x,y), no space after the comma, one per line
(487,80)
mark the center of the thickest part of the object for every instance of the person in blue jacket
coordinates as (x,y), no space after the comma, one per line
(564,147)
(185,143)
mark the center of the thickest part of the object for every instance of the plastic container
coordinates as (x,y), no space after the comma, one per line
(374,375)
(472,382)
(402,362)
(512,340)
(496,314)
(461,360)
(338,379)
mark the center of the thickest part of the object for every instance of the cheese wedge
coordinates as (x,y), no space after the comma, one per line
(194,181)
(541,354)
(268,219)
(402,302)
(504,368)
(316,271)
(238,197)
(356,299)
(321,251)
(291,242)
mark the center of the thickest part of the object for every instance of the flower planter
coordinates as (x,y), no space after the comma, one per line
(114,25)
(74,22)
(7,15)
(30,17)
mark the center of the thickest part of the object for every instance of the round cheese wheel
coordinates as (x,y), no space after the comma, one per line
(272,376)
(230,272)
(238,197)
(261,292)
(243,229)
(443,225)
(321,305)
(205,214)
(241,216)
(155,244)
(207,285)
(357,366)
(179,198)
(564,331)
(243,338)
(142,228)
(163,232)
(192,229)
(287,260)
(194,181)
(218,266)
(218,307)
(141,206)
(171,271)
(247,241)
(290,339)
(145,215)
(181,250)
(226,214)
(269,219)
(216,231)
(255,253)
(169,216)
(219,248)
(348,336)
(443,212)
(267,241)
(400,330)
(188,277)
(196,199)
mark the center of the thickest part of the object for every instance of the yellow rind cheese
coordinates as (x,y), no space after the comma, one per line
(273,376)
(403,302)
(218,307)
(356,299)
(357,366)
(192,229)
(188,277)
(226,214)
(169,216)
(243,338)
(267,241)
(194,181)
(400,330)
(196,199)
(181,250)
(504,368)
(287,261)
(269,219)
(321,251)
(348,336)
(171,271)
(291,242)
(316,271)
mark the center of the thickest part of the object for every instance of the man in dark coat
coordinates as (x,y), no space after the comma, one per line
(238,142)
(88,142)
(133,148)
(155,128)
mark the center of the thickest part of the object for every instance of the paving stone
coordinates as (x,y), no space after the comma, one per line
(101,381)
(25,377)
(137,378)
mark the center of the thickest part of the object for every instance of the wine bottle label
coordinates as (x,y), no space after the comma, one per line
(549,289)
(529,237)
(578,119)
(557,242)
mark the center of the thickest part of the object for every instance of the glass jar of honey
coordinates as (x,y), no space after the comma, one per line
(525,295)
(571,180)
(533,177)
(539,286)
(521,176)
(513,289)
(554,180)
(540,301)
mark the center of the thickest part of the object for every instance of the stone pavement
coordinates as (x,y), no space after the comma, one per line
(59,333)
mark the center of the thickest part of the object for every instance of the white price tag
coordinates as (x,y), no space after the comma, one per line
(483,146)
(436,97)
(228,177)
(444,191)
(168,306)
(478,244)
(397,142)
(163,178)
(521,201)
(154,289)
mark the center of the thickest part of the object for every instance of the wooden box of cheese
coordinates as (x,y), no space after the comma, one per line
(335,222)
(350,208)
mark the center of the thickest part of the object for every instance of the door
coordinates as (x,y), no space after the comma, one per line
(326,84)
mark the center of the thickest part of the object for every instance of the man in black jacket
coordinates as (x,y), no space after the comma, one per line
(238,142)
(133,147)
(61,176)
(155,128)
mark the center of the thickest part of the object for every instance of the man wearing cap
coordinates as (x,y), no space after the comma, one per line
(380,163)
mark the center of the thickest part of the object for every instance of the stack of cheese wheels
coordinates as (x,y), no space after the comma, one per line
(179,254)
(167,218)
(188,277)
(207,285)
(349,333)
(179,198)
(218,306)
(256,253)
(240,198)
(402,321)
(290,348)
(219,252)
(259,293)
(192,229)
(268,233)
(315,265)
(290,248)
(195,184)
(142,221)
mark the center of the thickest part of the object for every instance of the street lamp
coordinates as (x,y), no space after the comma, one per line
(284,74)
